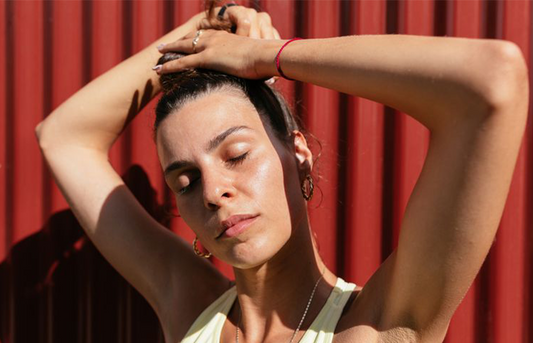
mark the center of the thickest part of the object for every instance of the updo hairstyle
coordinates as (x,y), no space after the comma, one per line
(184,86)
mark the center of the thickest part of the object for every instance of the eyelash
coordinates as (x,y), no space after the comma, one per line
(238,160)
(233,161)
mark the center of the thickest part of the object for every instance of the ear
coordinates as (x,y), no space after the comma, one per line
(303,154)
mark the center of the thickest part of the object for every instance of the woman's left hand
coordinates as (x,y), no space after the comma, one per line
(235,54)
(222,51)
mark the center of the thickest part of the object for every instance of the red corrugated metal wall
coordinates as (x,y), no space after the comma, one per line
(55,286)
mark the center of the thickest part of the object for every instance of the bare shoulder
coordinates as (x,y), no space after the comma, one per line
(363,319)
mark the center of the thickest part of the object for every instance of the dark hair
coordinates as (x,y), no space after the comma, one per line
(181,87)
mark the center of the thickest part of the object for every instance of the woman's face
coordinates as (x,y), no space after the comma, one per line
(221,160)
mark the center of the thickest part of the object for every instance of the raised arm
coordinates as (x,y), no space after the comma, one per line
(473,97)
(75,139)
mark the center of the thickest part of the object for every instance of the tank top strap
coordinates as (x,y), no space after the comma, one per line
(208,326)
(323,327)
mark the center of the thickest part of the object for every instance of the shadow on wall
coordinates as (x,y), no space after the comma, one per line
(56,287)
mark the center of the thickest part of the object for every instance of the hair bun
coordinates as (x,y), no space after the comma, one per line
(190,79)
(171,81)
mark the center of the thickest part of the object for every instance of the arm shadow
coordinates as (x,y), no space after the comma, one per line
(56,284)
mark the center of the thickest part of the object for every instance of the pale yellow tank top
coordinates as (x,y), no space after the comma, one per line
(208,326)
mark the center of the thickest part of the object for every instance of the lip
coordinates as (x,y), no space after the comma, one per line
(236,224)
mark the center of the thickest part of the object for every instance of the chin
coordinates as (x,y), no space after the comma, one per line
(252,253)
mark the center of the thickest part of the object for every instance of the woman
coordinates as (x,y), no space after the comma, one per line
(241,171)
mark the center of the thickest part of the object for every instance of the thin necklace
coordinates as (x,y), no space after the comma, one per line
(301,320)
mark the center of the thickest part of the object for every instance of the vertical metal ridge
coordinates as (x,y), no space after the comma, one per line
(9,125)
(5,281)
(80,273)
(46,296)
(168,16)
(390,120)
(121,315)
(12,321)
(89,262)
(321,101)
(127,39)
(440,14)
(87,30)
(47,55)
(528,317)
(128,310)
(341,192)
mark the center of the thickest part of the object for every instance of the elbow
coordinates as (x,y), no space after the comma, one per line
(39,132)
(507,88)
(42,133)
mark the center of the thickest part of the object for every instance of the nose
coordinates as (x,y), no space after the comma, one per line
(217,189)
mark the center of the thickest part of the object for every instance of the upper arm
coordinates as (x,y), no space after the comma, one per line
(159,264)
(454,211)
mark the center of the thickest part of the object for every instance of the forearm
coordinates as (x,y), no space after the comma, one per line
(434,79)
(96,115)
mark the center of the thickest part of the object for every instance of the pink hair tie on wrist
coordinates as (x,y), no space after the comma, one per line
(278,67)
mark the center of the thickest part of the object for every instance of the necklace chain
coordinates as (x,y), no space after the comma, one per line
(301,320)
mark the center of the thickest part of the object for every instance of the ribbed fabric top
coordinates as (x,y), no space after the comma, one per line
(208,326)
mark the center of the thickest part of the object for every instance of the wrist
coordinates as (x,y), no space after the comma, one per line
(266,63)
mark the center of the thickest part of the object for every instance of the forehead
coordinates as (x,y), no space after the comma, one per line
(191,127)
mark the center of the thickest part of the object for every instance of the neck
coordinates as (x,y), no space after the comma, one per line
(273,296)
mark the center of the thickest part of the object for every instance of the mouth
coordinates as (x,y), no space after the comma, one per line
(235,225)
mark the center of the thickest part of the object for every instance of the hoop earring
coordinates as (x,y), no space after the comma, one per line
(308,195)
(197,251)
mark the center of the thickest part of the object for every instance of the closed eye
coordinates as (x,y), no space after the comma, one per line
(238,159)
(187,188)
(232,161)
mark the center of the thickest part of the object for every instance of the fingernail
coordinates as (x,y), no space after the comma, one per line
(271,81)
(157,67)
(160,46)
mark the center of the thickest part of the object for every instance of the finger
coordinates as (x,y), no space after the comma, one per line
(267,32)
(192,34)
(187,62)
(204,24)
(265,25)
(238,16)
(229,10)
(182,45)
(243,27)
(255,30)
(276,33)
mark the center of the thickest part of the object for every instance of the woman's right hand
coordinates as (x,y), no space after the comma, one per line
(217,49)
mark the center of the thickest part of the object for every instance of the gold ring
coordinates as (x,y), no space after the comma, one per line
(196,39)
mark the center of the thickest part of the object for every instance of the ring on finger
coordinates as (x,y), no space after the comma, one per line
(220,15)
(196,39)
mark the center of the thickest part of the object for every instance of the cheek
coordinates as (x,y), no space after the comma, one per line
(276,188)
(191,215)
(266,184)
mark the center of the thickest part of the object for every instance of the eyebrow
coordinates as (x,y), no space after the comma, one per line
(212,145)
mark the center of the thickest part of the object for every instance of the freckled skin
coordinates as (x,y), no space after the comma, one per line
(267,182)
